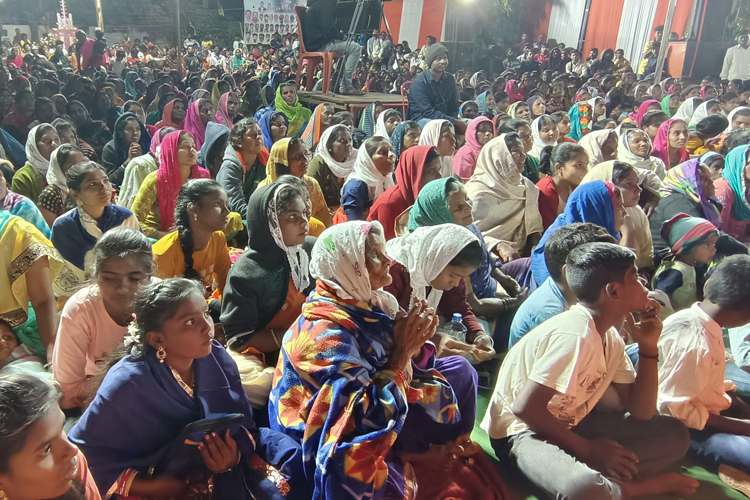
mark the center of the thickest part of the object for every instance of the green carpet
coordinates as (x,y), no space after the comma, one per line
(711,487)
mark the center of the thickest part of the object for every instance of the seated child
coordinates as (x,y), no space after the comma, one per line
(541,413)
(554,295)
(692,366)
(692,240)
(17,358)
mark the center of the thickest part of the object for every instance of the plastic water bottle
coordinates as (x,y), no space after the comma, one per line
(458,330)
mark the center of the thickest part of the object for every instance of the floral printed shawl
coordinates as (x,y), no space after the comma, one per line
(334,390)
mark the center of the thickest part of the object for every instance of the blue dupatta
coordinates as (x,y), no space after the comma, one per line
(141,408)
(592,202)
(367,122)
(73,240)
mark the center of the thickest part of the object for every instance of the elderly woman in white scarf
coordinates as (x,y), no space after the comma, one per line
(346,380)
(442,135)
(369,178)
(333,162)
(433,263)
(31,178)
(634,147)
(505,203)
(601,145)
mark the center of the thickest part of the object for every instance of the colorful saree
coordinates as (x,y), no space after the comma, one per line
(336,392)
(21,245)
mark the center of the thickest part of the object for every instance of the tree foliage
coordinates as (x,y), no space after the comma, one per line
(739,20)
(502,23)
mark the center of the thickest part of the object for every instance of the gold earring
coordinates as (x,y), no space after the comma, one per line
(161,354)
(2,495)
(195,217)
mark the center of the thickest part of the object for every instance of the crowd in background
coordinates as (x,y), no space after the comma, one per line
(235,295)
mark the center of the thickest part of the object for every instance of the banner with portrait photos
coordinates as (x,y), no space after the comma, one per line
(263,18)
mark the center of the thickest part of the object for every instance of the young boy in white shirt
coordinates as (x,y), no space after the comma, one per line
(542,412)
(692,379)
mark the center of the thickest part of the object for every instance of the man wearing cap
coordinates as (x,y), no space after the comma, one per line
(433,94)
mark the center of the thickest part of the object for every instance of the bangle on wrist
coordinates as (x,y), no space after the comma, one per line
(236,463)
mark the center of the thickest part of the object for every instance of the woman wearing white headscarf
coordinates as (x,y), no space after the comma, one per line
(333,162)
(505,203)
(634,148)
(545,133)
(738,118)
(53,201)
(601,145)
(388,119)
(703,111)
(686,109)
(31,178)
(432,263)
(370,177)
(352,362)
(442,135)
(597,113)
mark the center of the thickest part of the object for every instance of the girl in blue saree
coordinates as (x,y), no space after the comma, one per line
(360,387)
(173,374)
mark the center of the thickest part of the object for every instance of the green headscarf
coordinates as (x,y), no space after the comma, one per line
(431,205)
(298,114)
(665,104)
(734,173)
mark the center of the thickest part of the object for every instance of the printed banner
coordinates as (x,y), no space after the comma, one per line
(263,18)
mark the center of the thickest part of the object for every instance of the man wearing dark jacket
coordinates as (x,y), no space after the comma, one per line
(433,94)
(320,35)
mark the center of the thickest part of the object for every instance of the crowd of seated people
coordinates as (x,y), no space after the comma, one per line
(219,292)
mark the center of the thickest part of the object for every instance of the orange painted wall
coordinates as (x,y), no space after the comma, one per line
(603,25)
(681,15)
(535,17)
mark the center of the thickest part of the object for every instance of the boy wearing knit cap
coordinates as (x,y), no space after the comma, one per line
(433,95)
(692,370)
(692,240)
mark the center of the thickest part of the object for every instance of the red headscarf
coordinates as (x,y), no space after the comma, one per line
(661,144)
(514,96)
(194,124)
(395,200)
(222,113)
(643,109)
(169,178)
(166,117)
(465,160)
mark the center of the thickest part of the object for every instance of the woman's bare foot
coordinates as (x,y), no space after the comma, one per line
(663,483)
